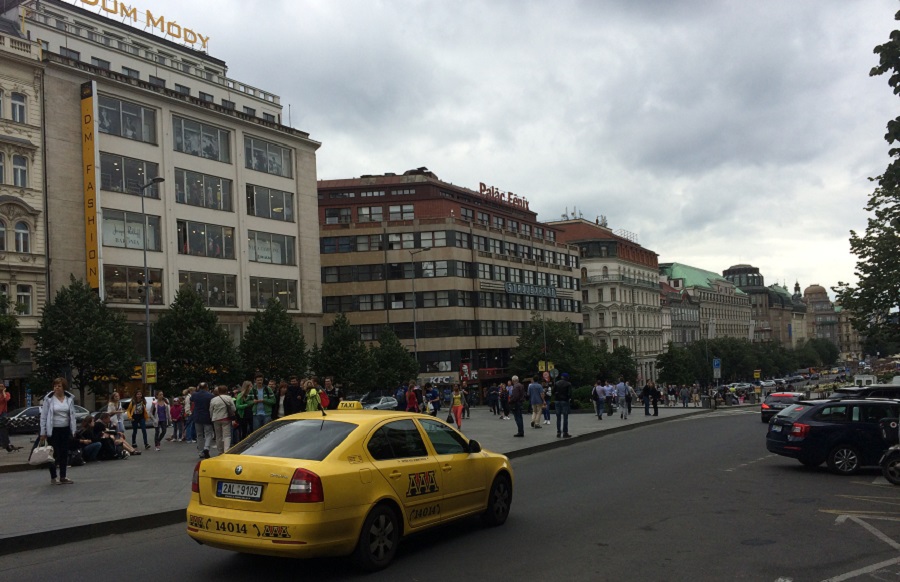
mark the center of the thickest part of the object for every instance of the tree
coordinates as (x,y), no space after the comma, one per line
(875,300)
(674,366)
(10,336)
(344,357)
(273,344)
(81,338)
(190,346)
(557,342)
(392,362)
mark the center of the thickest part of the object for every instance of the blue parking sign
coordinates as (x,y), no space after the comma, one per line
(717,363)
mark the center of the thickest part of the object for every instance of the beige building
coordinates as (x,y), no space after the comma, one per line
(235,218)
(724,309)
(620,291)
(23,256)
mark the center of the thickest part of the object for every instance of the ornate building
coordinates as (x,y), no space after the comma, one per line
(724,309)
(772,308)
(620,290)
(684,316)
(822,319)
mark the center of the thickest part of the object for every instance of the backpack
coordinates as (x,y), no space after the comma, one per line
(323,398)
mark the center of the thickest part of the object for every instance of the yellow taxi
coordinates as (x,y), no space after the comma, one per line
(344,482)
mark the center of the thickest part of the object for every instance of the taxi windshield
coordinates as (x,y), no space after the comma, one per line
(309,440)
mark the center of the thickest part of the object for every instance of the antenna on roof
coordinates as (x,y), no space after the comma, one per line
(289,116)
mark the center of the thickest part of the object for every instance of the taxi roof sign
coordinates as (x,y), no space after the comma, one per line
(350,405)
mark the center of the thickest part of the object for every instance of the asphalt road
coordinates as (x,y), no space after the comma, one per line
(694,499)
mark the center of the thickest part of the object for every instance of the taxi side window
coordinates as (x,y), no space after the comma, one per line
(444,439)
(397,440)
(832,413)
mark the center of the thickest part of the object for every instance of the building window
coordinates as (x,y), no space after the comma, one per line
(263,156)
(371,302)
(499,222)
(434,269)
(266,247)
(269,117)
(2,235)
(434,239)
(157,81)
(480,243)
(2,157)
(126,230)
(484,218)
(133,73)
(23,299)
(370,194)
(23,237)
(215,290)
(337,216)
(370,242)
(283,290)
(20,171)
(200,139)
(269,203)
(402,301)
(127,120)
(404,212)
(17,104)
(127,175)
(182,89)
(205,240)
(227,104)
(404,240)
(202,190)
(467,214)
(370,214)
(69,53)
(206,97)
(403,192)
(484,271)
(126,284)
(250,111)
(100,63)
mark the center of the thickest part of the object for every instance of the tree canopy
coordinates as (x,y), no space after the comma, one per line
(392,362)
(874,301)
(10,335)
(273,344)
(344,357)
(81,338)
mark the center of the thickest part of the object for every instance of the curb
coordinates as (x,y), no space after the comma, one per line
(56,537)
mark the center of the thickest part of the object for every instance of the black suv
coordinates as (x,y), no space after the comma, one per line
(844,433)
(871,391)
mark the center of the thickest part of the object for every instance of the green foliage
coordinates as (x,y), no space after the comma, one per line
(558,342)
(273,344)
(81,338)
(10,336)
(344,357)
(675,366)
(875,300)
(392,363)
(190,346)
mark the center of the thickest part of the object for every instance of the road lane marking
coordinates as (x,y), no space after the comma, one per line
(875,532)
(861,571)
(742,465)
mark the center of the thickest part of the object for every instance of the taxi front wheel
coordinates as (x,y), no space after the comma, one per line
(499,501)
(378,539)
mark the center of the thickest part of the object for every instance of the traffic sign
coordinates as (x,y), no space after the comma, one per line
(149,372)
(717,363)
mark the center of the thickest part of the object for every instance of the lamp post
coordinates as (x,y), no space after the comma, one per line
(415,303)
(153,182)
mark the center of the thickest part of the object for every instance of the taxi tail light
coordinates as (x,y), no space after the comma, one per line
(799,430)
(306,487)
(195,479)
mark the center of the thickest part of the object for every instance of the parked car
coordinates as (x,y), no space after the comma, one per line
(776,402)
(27,420)
(376,402)
(126,402)
(845,434)
(767,383)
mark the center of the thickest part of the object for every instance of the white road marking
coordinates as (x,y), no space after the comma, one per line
(878,534)
(861,571)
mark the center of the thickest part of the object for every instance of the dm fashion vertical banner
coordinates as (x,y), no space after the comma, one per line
(89,155)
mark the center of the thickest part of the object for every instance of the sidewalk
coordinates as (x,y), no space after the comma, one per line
(153,489)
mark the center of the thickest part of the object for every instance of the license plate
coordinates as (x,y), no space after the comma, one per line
(776,428)
(245,491)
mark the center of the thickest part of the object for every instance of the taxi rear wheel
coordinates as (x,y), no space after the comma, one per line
(499,501)
(378,539)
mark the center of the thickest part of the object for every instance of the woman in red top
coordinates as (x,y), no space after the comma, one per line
(4,430)
(412,403)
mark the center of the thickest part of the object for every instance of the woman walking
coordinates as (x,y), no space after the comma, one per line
(4,428)
(161,412)
(58,425)
(137,412)
(116,412)
(456,405)
(221,407)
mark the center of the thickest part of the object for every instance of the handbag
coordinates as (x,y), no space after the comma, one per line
(450,417)
(41,455)
(231,412)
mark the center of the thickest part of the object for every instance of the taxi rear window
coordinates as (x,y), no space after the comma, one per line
(308,440)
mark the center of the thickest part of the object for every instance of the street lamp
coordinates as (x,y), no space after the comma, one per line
(153,182)
(415,302)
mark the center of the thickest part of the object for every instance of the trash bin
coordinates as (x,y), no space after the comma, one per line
(705,401)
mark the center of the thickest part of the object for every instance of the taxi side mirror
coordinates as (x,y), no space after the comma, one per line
(474,446)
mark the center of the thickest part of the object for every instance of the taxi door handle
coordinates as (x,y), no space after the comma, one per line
(447,468)
(396,475)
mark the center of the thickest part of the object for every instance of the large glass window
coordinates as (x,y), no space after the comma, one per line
(205,240)
(2,235)
(200,139)
(20,171)
(402,212)
(202,190)
(126,284)
(23,299)
(262,289)
(18,107)
(337,216)
(370,214)
(269,203)
(434,239)
(266,247)
(128,120)
(369,242)
(23,237)
(126,230)
(214,289)
(127,175)
(267,157)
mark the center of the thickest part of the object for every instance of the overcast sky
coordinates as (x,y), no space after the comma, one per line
(719,132)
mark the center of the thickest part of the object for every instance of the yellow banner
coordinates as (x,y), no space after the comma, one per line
(89,167)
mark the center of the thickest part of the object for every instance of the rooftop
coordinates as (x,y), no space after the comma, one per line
(693,276)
